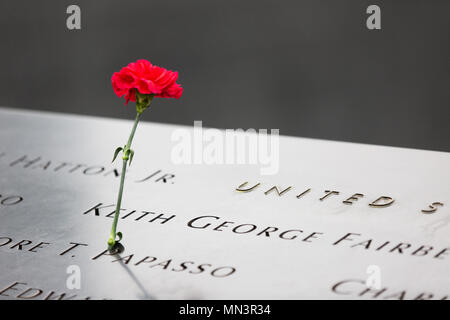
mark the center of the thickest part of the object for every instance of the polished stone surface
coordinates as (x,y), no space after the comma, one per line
(49,200)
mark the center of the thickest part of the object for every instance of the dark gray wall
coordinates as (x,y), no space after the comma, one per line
(310,68)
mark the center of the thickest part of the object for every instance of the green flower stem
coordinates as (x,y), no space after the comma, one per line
(112,238)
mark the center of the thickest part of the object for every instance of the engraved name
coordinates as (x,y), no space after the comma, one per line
(41,164)
(379,202)
(358,288)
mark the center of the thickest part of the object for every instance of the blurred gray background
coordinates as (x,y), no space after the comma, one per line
(310,68)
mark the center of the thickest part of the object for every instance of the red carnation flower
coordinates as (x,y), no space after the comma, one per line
(140,82)
(147,79)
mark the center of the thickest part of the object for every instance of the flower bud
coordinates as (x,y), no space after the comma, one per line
(143,101)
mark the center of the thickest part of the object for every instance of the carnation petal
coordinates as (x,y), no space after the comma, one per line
(131,95)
